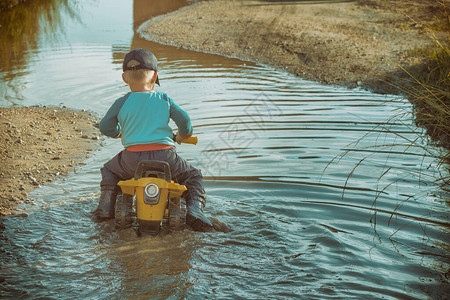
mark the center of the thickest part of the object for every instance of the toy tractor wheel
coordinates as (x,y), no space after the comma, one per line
(177,214)
(124,211)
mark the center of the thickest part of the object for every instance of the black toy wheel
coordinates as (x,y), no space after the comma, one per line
(177,214)
(123,211)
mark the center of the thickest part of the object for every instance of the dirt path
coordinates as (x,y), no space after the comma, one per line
(338,42)
(38,145)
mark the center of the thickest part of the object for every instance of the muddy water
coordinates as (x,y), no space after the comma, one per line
(319,184)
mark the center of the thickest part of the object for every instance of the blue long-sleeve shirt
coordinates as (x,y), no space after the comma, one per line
(143,118)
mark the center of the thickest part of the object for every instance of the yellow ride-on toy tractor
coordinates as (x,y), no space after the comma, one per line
(158,200)
(159,203)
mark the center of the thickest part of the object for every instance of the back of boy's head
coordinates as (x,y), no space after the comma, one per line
(140,75)
(139,65)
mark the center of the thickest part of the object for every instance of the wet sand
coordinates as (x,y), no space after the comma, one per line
(351,43)
(39,144)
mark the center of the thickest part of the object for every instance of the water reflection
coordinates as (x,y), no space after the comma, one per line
(162,261)
(144,10)
(23,26)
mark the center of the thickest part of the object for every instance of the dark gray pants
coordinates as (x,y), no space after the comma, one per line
(123,165)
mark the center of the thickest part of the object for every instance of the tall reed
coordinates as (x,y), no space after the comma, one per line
(428,85)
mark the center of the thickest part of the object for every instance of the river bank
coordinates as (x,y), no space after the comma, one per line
(351,43)
(38,145)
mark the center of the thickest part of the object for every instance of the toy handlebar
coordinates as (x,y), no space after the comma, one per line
(190,140)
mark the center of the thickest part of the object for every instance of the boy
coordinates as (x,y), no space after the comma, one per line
(140,119)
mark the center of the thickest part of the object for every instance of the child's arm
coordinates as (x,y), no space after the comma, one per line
(109,125)
(181,119)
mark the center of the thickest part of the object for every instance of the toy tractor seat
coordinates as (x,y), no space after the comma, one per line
(153,168)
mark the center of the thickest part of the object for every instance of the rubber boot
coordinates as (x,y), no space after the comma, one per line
(106,204)
(195,218)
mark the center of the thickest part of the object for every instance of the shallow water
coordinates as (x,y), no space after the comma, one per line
(324,196)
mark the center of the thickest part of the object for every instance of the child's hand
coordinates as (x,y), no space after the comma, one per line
(178,138)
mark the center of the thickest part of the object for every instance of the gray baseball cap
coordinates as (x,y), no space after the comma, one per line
(145,59)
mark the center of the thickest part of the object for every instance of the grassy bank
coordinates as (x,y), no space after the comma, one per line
(428,84)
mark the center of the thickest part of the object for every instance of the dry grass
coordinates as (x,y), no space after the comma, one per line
(428,84)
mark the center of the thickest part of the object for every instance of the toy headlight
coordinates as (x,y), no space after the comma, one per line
(151,190)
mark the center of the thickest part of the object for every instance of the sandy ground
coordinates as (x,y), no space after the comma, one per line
(350,43)
(39,144)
